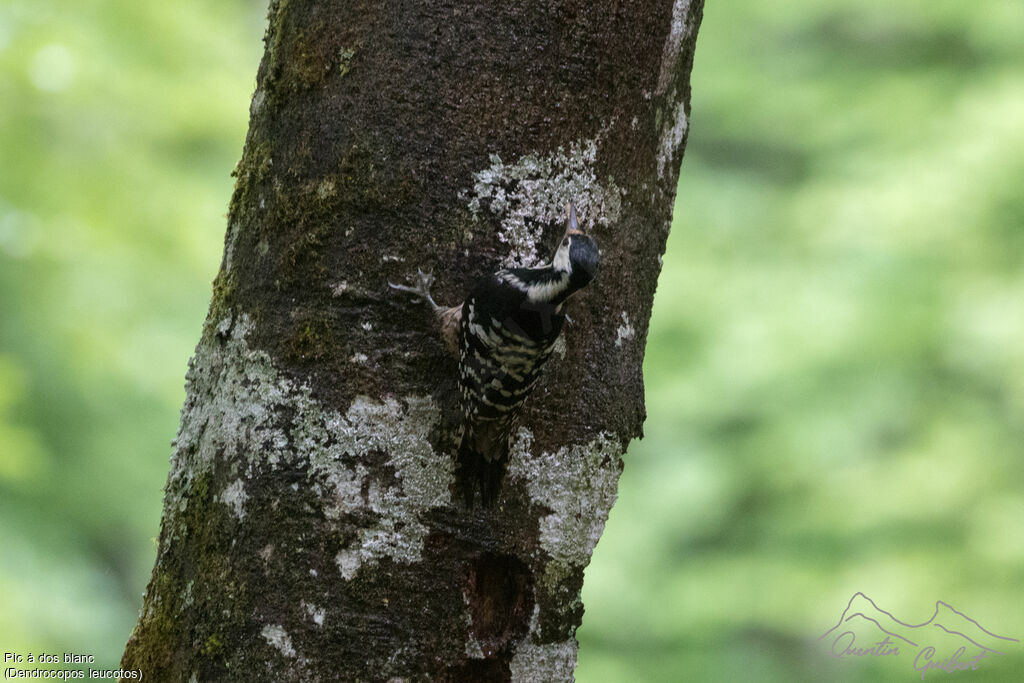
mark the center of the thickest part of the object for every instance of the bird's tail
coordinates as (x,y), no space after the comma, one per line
(481,461)
(474,473)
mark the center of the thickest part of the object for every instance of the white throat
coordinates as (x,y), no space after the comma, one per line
(561,259)
(543,292)
(547,291)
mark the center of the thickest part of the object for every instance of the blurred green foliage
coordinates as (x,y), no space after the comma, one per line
(835,364)
(120,122)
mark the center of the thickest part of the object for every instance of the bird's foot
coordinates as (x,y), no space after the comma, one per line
(420,289)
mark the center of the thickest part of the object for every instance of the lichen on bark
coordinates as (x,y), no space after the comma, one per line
(242,408)
(529,195)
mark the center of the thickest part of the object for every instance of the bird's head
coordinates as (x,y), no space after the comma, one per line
(577,252)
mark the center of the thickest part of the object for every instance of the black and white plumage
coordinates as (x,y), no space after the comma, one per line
(504,333)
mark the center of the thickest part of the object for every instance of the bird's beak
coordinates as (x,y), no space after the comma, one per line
(572,226)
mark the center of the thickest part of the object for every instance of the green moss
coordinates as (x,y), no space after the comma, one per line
(213,646)
(326,189)
(222,299)
(158,632)
(555,574)
(252,169)
(301,51)
(360,182)
(312,341)
(260,161)
(308,69)
(301,262)
(276,13)
(214,601)
(345,56)
(223,289)
(151,646)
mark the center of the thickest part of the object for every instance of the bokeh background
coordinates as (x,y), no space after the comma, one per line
(835,368)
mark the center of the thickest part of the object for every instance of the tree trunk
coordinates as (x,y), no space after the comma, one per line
(310,527)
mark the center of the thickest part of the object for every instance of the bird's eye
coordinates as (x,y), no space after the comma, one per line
(565,242)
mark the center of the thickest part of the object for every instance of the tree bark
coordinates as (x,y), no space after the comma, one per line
(310,531)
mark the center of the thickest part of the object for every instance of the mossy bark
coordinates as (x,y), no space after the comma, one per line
(309,528)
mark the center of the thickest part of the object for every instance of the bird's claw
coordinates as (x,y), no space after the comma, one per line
(420,289)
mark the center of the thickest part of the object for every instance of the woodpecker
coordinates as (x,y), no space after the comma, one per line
(503,334)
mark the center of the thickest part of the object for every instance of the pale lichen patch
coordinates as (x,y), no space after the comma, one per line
(672,135)
(345,56)
(559,348)
(258,98)
(547,662)
(422,479)
(241,409)
(223,327)
(532,192)
(234,496)
(326,189)
(673,44)
(231,240)
(672,122)
(625,331)
(578,484)
(279,638)
(473,649)
(315,613)
(348,562)
(232,396)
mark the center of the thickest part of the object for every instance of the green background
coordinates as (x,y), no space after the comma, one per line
(835,368)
